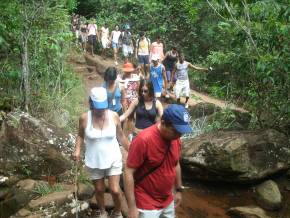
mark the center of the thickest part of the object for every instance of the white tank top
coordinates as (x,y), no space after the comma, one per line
(102,147)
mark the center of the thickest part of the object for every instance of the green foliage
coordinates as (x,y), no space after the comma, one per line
(52,82)
(45,189)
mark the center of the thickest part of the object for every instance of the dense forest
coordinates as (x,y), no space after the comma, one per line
(246,42)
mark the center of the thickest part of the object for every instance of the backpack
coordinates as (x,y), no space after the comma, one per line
(126,38)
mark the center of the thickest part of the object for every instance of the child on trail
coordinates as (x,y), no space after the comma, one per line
(158,77)
(182,83)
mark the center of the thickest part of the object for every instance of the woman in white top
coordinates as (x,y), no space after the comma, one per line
(100,131)
(105,39)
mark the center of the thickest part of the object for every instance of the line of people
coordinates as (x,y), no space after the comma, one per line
(155,150)
(152,174)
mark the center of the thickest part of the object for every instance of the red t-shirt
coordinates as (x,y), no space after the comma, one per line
(146,151)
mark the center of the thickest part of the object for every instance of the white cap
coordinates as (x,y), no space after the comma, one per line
(155,57)
(99,98)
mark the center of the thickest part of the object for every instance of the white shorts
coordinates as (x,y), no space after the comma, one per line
(127,50)
(105,43)
(95,173)
(182,88)
(168,212)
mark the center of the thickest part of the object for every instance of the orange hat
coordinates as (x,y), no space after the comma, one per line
(128,67)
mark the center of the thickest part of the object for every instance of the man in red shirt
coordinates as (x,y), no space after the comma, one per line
(153,166)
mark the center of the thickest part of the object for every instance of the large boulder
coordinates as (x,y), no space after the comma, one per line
(233,156)
(31,147)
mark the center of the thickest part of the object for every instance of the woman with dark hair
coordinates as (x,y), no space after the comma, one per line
(147,109)
(116,96)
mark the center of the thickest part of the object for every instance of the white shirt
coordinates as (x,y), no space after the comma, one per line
(116,36)
(102,147)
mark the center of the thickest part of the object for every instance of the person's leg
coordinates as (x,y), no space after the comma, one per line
(168,212)
(178,89)
(99,193)
(146,66)
(115,191)
(187,92)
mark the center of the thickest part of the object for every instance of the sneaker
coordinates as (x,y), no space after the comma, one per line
(99,214)
(186,105)
(116,215)
(116,63)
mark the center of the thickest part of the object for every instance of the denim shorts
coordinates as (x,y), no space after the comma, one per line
(115,45)
(143,59)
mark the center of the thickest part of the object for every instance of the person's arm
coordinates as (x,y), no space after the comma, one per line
(159,110)
(197,68)
(129,110)
(80,137)
(164,77)
(178,185)
(129,192)
(120,135)
(123,100)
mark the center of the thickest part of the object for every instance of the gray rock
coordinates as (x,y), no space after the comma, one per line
(27,184)
(247,212)
(268,195)
(33,147)
(57,198)
(236,156)
(203,109)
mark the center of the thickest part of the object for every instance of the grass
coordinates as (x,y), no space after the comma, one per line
(45,189)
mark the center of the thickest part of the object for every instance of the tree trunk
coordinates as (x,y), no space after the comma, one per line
(25,86)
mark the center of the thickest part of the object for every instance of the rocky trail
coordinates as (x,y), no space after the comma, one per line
(227,174)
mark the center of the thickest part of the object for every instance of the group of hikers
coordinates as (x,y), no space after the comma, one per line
(167,72)
(127,110)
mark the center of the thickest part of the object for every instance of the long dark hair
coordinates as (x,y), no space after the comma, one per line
(149,85)
(110,74)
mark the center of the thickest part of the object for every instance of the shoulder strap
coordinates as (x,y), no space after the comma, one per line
(138,180)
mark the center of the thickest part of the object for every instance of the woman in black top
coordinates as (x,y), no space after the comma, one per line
(147,109)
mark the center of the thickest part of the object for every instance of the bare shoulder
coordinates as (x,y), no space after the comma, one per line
(115,117)
(158,103)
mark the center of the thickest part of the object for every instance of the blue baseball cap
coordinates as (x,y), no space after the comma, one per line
(99,98)
(179,117)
